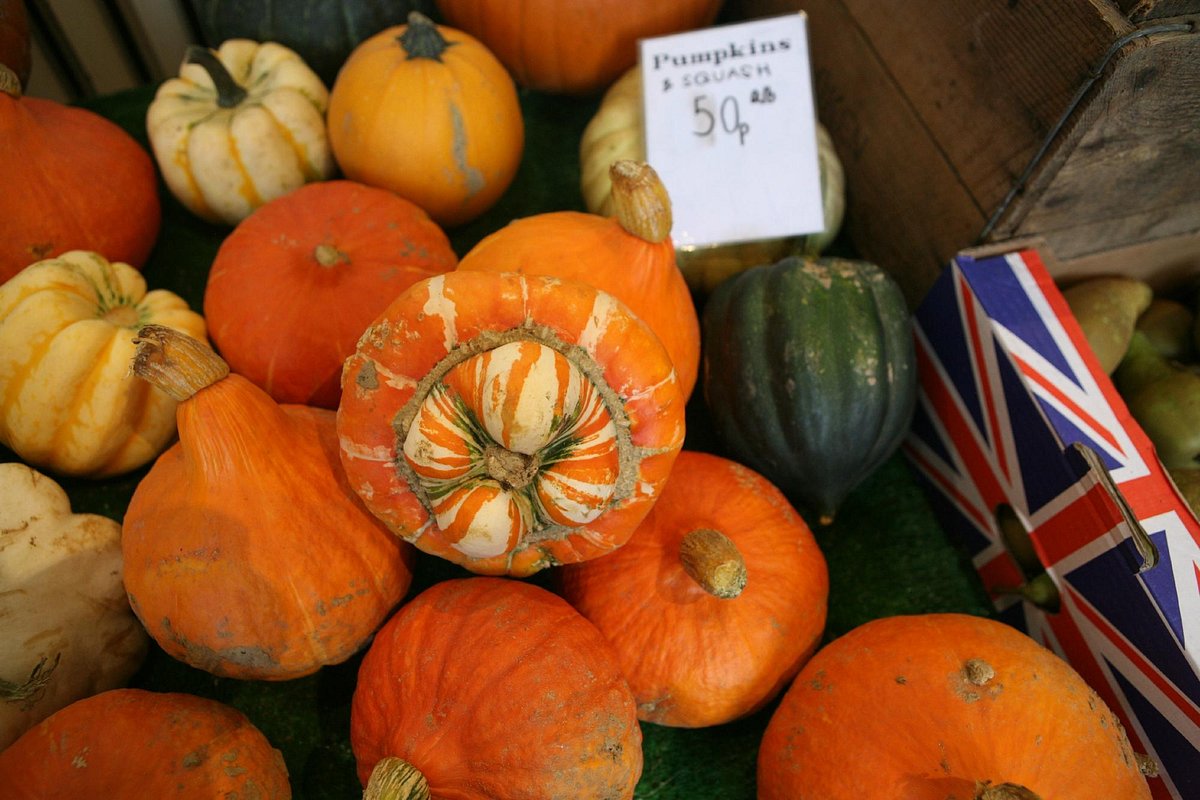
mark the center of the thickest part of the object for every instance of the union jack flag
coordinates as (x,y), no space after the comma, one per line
(1015,411)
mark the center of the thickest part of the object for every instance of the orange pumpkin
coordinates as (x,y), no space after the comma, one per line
(129,744)
(295,284)
(932,706)
(84,184)
(572,46)
(487,687)
(246,553)
(509,422)
(630,256)
(429,113)
(715,602)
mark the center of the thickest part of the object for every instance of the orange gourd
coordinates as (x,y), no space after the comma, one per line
(509,422)
(428,112)
(629,255)
(131,744)
(75,181)
(572,46)
(715,602)
(482,688)
(295,284)
(246,553)
(932,706)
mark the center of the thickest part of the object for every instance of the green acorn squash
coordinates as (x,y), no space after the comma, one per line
(321,32)
(809,374)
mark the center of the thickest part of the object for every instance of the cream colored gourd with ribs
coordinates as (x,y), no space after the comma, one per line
(615,133)
(68,631)
(68,402)
(239,127)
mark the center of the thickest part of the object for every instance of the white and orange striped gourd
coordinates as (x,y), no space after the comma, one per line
(508,422)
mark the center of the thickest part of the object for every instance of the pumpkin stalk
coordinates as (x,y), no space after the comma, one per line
(230,93)
(712,560)
(10,84)
(640,200)
(395,779)
(28,693)
(422,39)
(1003,791)
(329,256)
(175,362)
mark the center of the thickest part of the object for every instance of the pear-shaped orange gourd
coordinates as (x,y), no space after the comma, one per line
(246,552)
(629,255)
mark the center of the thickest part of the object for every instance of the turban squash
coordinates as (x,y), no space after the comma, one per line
(932,706)
(509,422)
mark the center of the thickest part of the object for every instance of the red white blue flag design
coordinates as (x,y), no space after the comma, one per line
(1009,388)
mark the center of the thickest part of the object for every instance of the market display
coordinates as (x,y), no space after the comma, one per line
(446,494)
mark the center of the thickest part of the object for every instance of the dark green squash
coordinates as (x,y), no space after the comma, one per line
(809,374)
(322,32)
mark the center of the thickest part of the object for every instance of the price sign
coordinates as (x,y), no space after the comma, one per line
(730,128)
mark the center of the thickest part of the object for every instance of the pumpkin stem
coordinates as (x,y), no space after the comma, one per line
(1003,791)
(10,84)
(640,200)
(712,560)
(514,471)
(29,692)
(328,256)
(229,92)
(175,362)
(422,39)
(396,779)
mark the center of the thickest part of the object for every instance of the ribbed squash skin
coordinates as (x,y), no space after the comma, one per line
(809,374)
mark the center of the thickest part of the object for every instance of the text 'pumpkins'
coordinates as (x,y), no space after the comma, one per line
(509,422)
(428,112)
(810,374)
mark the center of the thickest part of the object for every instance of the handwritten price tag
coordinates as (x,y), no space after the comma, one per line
(730,128)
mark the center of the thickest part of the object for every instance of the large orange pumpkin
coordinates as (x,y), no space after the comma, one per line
(297,282)
(932,706)
(246,553)
(131,744)
(509,422)
(74,181)
(716,600)
(629,255)
(572,46)
(428,112)
(488,688)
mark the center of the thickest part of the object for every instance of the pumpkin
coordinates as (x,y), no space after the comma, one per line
(933,706)
(572,46)
(127,744)
(428,112)
(509,422)
(238,127)
(715,602)
(67,401)
(68,629)
(14,40)
(615,132)
(810,374)
(246,554)
(297,282)
(628,255)
(84,184)
(545,714)
(321,32)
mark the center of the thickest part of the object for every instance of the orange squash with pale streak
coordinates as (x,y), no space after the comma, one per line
(629,255)
(509,422)
(931,706)
(715,602)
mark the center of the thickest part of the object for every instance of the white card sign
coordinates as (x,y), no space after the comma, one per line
(730,128)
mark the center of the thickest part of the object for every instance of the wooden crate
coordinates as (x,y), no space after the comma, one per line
(968,122)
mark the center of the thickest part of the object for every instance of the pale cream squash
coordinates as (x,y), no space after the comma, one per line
(68,629)
(615,133)
(68,402)
(239,127)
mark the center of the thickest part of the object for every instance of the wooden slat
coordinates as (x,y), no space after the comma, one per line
(1143,10)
